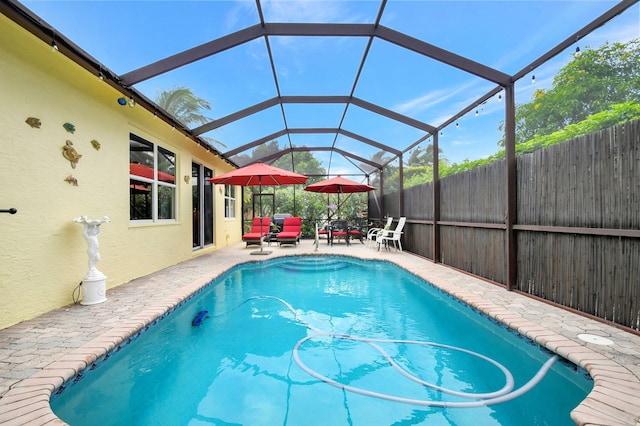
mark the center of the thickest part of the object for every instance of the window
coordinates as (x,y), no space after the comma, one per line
(229,202)
(152,186)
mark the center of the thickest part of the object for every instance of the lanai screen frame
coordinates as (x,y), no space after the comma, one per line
(504,82)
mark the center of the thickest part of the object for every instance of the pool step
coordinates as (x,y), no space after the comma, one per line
(314,264)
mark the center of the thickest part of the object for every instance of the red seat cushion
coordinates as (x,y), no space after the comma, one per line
(255,226)
(292,224)
(288,235)
(291,230)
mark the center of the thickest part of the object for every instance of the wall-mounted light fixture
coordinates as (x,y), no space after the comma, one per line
(533,79)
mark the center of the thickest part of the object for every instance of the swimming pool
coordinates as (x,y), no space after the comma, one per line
(271,326)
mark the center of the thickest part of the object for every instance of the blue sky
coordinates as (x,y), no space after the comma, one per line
(505,35)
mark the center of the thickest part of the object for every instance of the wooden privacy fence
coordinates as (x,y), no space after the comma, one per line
(577,231)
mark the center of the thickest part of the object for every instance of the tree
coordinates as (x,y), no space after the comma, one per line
(308,205)
(422,157)
(590,83)
(596,79)
(615,114)
(186,107)
(304,161)
(418,167)
(381,157)
(418,157)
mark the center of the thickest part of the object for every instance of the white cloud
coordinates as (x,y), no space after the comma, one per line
(428,100)
(301,11)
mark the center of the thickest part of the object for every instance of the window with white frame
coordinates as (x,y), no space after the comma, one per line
(229,202)
(152,181)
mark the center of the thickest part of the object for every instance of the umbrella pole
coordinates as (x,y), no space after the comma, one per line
(261,251)
(328,209)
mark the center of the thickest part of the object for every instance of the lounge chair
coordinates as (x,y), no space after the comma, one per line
(254,236)
(392,236)
(373,233)
(291,231)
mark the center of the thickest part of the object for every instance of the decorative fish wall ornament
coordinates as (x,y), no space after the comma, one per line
(34,122)
(69,127)
(95,144)
(73,181)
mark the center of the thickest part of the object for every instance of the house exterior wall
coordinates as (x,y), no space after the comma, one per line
(43,255)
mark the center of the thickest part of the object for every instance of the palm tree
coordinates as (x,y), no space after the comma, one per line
(186,107)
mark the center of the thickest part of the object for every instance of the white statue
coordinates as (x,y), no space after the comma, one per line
(91,232)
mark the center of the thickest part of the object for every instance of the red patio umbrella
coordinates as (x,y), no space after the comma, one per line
(259,174)
(338,185)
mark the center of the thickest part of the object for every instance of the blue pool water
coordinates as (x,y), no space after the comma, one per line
(324,341)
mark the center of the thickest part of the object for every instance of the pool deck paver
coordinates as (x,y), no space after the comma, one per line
(39,355)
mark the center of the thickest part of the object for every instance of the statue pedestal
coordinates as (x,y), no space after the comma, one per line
(94,283)
(94,289)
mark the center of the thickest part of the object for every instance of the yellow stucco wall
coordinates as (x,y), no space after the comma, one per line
(43,255)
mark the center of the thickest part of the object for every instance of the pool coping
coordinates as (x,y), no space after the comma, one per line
(614,399)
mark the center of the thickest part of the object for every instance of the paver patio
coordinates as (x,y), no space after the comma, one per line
(38,355)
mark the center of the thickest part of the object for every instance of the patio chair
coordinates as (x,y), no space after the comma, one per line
(373,233)
(324,231)
(254,236)
(339,229)
(291,231)
(392,236)
(356,231)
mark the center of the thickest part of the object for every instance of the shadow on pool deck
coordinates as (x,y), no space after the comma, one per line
(38,355)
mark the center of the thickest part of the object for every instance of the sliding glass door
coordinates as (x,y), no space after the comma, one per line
(202,205)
